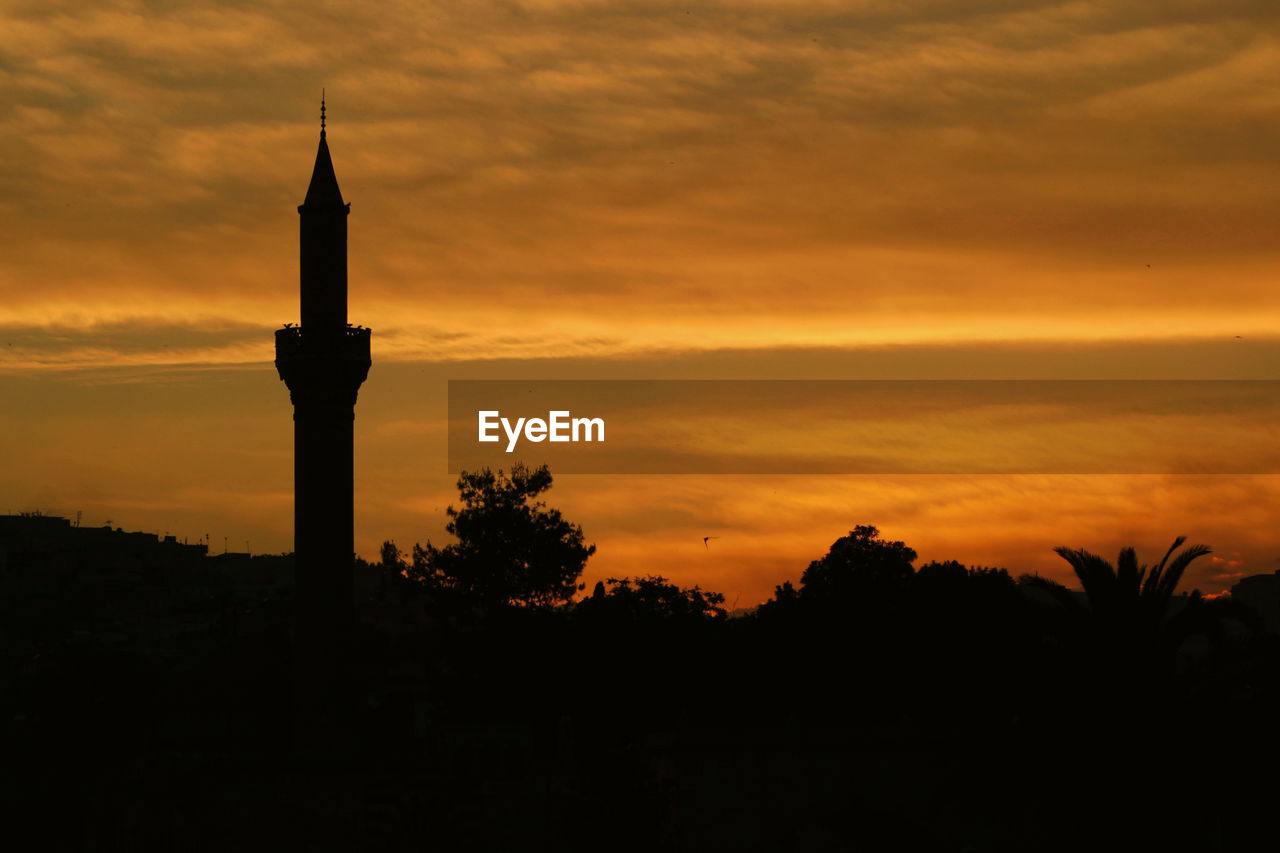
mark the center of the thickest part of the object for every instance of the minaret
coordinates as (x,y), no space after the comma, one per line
(323,361)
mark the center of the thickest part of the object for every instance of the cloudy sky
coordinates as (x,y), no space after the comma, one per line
(798,189)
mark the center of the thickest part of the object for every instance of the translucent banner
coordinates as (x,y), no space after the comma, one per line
(867,427)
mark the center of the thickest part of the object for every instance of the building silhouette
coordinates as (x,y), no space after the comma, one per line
(58,550)
(1262,593)
(323,361)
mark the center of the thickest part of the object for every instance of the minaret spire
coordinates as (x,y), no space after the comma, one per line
(323,190)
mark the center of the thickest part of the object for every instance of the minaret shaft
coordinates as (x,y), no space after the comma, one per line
(323,267)
(324,507)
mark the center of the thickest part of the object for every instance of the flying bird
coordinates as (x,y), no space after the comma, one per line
(705,540)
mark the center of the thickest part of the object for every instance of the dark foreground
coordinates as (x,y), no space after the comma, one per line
(962,711)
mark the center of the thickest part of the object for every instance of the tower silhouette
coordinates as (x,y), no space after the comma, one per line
(323,361)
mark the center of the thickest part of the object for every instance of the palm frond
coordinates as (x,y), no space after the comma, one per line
(1096,576)
(1173,573)
(1056,591)
(1177,543)
(1151,588)
(1127,571)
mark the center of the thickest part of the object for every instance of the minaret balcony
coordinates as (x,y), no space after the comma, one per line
(309,360)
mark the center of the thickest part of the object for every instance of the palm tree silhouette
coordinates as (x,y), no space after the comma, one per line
(1122,705)
(1136,626)
(1129,594)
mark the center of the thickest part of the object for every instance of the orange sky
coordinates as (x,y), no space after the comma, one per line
(632,189)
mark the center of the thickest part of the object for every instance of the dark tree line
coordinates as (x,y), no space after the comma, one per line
(871,704)
(1026,699)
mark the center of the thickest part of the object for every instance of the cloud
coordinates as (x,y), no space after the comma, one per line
(983,164)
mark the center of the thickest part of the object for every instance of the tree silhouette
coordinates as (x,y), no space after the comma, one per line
(652,598)
(945,573)
(858,564)
(391,558)
(511,548)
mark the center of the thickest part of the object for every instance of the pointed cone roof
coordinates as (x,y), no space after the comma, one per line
(323,190)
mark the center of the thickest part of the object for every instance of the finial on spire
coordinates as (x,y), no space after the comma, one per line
(323,190)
